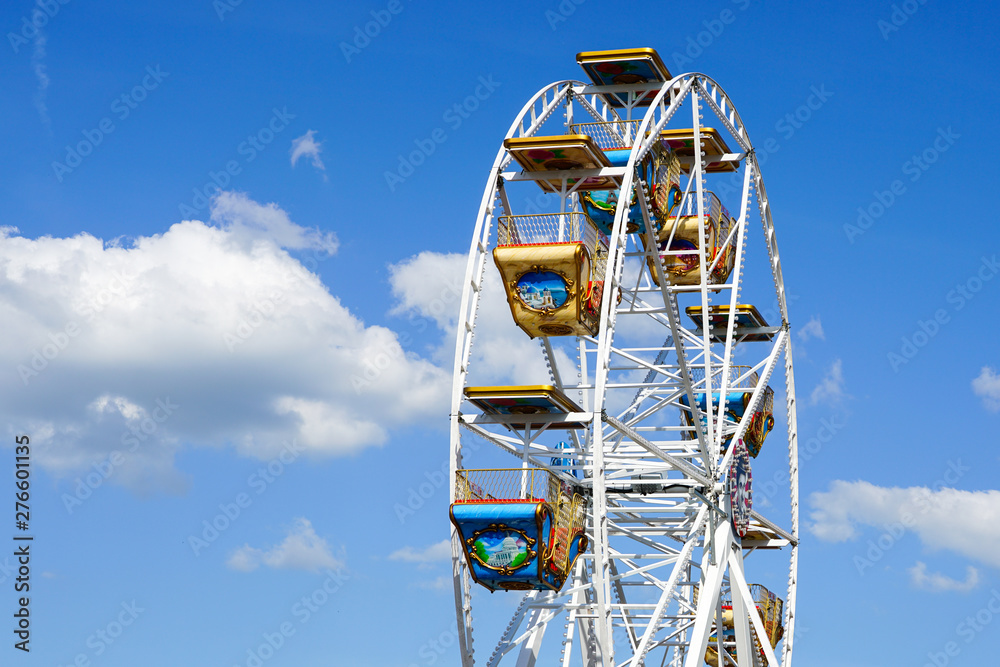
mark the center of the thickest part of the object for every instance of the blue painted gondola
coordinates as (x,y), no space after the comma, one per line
(737,400)
(526,542)
(661,175)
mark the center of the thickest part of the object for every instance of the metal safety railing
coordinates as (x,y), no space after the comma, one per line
(515,230)
(712,206)
(609,135)
(770,608)
(740,378)
(549,228)
(514,485)
(503,485)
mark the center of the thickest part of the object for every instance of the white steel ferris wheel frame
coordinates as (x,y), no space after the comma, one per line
(685,529)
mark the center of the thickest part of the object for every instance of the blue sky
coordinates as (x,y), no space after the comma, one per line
(275,358)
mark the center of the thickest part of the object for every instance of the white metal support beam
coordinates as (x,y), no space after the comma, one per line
(708,597)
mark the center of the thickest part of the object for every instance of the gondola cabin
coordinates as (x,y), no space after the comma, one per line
(659,171)
(624,66)
(552,267)
(562,153)
(591,146)
(680,243)
(749,327)
(769,607)
(714,147)
(519,406)
(738,394)
(520,529)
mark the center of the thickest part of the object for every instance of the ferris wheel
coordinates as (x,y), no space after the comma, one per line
(612,511)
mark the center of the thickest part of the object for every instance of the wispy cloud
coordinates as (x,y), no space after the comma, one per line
(426,559)
(987,386)
(307,146)
(940,583)
(302,549)
(438,552)
(439,584)
(811,329)
(38,65)
(831,387)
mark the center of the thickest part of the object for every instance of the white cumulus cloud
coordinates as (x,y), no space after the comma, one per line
(987,386)
(429,285)
(302,549)
(248,222)
(208,334)
(944,519)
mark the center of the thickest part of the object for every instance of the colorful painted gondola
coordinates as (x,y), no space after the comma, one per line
(769,606)
(520,529)
(552,266)
(680,243)
(739,393)
(622,67)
